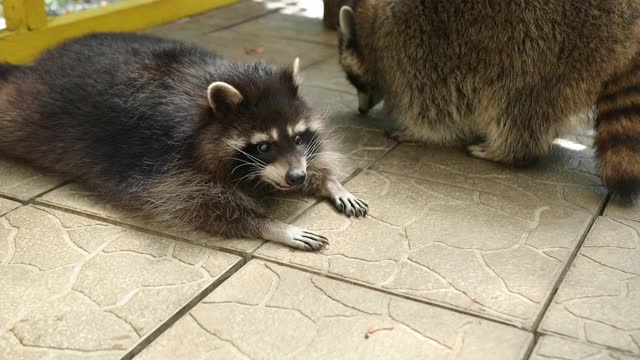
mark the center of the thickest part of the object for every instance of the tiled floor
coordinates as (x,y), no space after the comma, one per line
(459,258)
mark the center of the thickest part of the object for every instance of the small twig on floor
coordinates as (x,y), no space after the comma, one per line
(257,50)
(371,331)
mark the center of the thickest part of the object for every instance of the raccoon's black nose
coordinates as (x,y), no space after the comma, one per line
(295,177)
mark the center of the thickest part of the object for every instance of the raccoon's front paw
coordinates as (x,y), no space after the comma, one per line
(303,239)
(351,205)
(479,151)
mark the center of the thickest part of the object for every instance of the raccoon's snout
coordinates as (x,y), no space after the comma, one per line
(295,177)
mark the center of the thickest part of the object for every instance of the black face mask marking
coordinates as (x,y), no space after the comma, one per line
(250,160)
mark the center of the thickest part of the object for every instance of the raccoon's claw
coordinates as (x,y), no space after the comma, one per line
(304,239)
(351,206)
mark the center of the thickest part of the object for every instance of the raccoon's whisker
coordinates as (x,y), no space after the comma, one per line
(247,176)
(332,153)
(239,166)
(248,155)
(250,175)
(325,134)
(311,159)
(260,181)
(310,148)
(246,163)
(315,142)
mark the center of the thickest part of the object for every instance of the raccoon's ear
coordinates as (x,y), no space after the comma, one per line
(295,71)
(347,22)
(221,94)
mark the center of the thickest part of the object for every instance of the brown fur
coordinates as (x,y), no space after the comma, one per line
(510,73)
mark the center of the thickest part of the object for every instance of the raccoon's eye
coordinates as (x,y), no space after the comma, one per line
(264,147)
(298,139)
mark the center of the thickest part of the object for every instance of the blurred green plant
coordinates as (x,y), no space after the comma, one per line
(61,7)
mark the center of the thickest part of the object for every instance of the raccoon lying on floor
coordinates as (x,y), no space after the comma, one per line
(170,129)
(502,77)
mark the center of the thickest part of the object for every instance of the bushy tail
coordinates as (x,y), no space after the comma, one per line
(6,69)
(618,132)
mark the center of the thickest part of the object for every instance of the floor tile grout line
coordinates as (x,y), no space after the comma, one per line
(569,263)
(12,198)
(532,346)
(409,297)
(34,198)
(152,335)
(266,14)
(241,253)
(243,21)
(581,342)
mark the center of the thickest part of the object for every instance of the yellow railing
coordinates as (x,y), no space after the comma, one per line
(29,30)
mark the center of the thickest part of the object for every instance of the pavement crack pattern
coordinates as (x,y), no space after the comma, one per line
(76,284)
(322,318)
(337,300)
(447,229)
(245,355)
(597,302)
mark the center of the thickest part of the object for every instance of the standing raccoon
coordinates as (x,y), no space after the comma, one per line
(173,131)
(502,77)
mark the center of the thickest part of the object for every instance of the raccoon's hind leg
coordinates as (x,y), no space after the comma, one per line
(522,133)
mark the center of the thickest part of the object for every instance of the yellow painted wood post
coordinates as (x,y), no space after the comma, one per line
(30,32)
(25,14)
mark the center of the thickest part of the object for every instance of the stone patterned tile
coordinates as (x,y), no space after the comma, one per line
(186,28)
(23,182)
(566,177)
(249,48)
(466,248)
(618,209)
(329,75)
(288,26)
(75,198)
(554,348)
(79,288)
(266,311)
(358,148)
(7,206)
(599,300)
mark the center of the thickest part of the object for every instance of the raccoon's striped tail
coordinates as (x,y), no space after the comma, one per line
(6,69)
(618,132)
